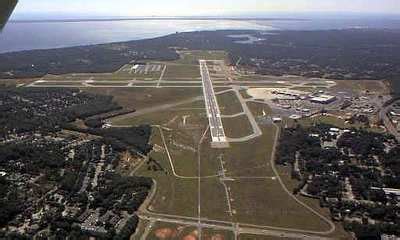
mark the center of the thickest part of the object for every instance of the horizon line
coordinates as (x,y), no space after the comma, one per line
(106,19)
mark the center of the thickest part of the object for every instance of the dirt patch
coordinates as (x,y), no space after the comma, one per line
(271,93)
(217,237)
(189,237)
(80,124)
(166,233)
(192,236)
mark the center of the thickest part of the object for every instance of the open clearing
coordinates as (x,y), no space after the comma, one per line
(175,71)
(253,196)
(198,183)
(253,204)
(140,98)
(193,57)
(166,231)
(229,104)
(237,127)
(199,190)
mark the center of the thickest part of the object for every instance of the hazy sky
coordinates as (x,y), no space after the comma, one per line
(201,7)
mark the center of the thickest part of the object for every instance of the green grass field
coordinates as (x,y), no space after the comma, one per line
(185,71)
(111,77)
(192,57)
(140,98)
(255,196)
(262,202)
(237,127)
(68,77)
(250,158)
(229,104)
(213,200)
(58,83)
(173,195)
(187,85)
(110,84)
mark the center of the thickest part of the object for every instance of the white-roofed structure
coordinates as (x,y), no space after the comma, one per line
(323,99)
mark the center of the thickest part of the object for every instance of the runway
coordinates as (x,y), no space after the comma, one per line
(213,112)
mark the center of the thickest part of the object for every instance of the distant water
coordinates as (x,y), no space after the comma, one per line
(336,24)
(17,36)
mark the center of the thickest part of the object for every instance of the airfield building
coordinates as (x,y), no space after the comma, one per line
(323,99)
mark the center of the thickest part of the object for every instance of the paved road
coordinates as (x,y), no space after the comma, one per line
(213,112)
(256,129)
(239,228)
(332,226)
(159,108)
(172,162)
(236,228)
(162,76)
(158,83)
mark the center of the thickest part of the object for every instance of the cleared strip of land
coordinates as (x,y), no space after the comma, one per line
(213,112)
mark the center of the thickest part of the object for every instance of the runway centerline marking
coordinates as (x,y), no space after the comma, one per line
(213,111)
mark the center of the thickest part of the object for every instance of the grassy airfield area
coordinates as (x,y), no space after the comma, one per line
(195,182)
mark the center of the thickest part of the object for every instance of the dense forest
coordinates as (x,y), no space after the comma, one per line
(54,182)
(349,176)
(40,174)
(337,54)
(95,58)
(26,110)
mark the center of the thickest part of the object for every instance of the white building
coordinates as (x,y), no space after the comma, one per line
(323,99)
(276,119)
(295,117)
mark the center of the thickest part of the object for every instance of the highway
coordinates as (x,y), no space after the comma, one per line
(213,112)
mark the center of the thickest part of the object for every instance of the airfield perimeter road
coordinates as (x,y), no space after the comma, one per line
(145,213)
(200,221)
(213,112)
(256,129)
(238,228)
